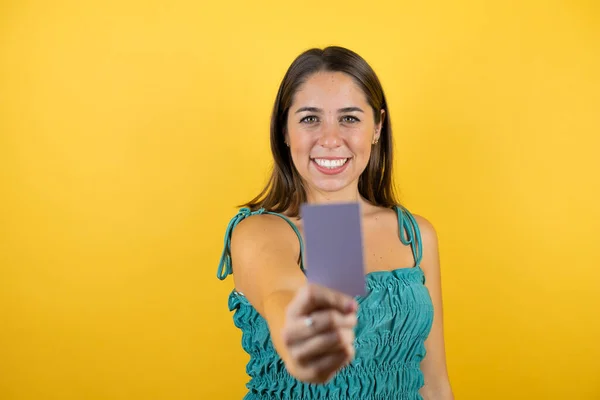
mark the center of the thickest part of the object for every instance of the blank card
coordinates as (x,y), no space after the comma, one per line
(333,254)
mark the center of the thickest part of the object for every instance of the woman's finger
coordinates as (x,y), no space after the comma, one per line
(324,368)
(302,328)
(314,297)
(318,346)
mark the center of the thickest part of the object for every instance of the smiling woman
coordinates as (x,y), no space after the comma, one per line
(340,119)
(331,96)
(331,141)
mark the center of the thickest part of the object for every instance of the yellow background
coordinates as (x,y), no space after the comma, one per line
(129,130)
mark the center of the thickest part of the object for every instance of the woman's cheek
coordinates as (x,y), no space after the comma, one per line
(361,144)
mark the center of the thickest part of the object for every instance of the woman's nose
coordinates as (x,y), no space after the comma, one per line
(331,136)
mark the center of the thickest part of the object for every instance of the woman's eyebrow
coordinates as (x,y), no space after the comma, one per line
(318,110)
(350,109)
(308,109)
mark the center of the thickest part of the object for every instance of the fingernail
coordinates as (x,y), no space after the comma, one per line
(351,305)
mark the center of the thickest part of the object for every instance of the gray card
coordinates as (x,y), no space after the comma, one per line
(333,241)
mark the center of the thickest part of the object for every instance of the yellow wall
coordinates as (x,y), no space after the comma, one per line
(130,129)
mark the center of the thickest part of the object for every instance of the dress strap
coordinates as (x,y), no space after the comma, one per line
(225,267)
(409,232)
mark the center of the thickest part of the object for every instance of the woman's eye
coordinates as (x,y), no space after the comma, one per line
(311,119)
(350,119)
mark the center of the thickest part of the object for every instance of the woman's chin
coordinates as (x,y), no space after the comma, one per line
(330,185)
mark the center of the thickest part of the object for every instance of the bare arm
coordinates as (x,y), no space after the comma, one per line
(437,384)
(264,252)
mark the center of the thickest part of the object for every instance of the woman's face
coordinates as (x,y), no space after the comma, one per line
(330,132)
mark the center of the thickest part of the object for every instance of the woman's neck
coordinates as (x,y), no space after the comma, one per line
(347,195)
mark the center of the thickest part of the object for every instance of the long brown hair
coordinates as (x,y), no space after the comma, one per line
(285,191)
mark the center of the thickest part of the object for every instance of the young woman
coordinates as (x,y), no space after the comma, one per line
(331,141)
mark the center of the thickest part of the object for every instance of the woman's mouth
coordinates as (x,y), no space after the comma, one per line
(330,166)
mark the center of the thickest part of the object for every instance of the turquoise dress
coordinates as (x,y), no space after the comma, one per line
(394,319)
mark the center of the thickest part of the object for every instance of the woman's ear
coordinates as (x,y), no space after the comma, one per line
(286,139)
(379,126)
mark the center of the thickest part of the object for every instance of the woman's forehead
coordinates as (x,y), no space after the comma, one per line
(325,89)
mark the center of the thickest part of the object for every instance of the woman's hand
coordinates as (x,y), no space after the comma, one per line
(318,333)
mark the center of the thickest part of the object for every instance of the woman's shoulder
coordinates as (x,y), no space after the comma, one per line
(425,226)
(259,228)
(261,224)
(262,240)
(428,232)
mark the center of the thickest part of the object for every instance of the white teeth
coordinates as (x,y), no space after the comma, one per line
(330,163)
